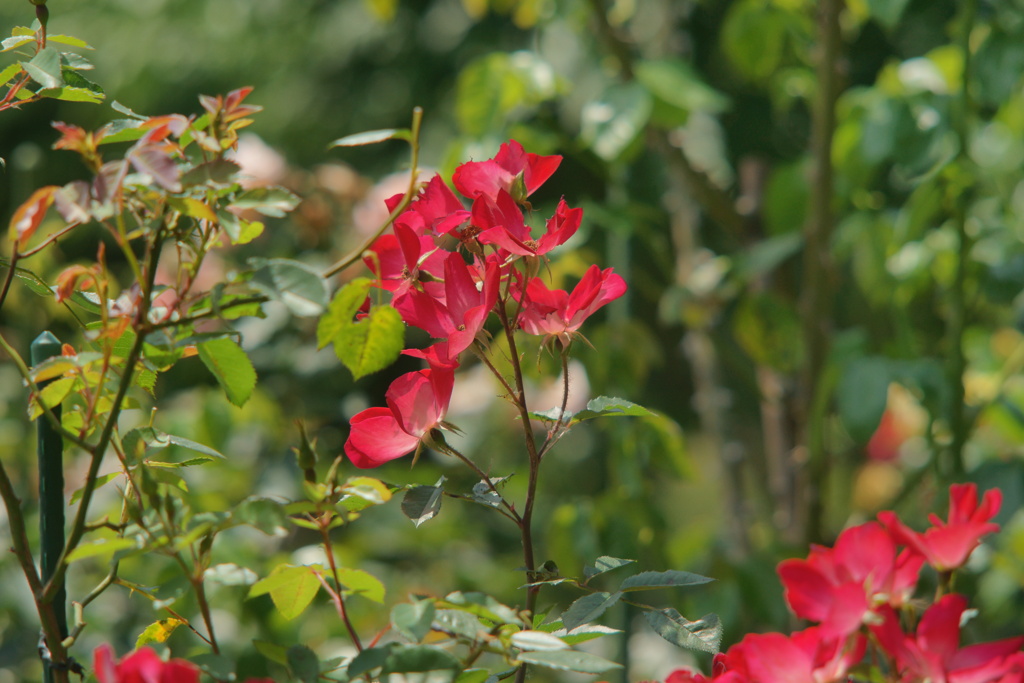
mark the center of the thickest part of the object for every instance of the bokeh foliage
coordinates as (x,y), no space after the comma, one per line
(689,133)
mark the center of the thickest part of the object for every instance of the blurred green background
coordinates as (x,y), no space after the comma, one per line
(829,344)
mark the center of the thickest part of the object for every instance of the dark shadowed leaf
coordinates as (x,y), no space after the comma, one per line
(413,619)
(604,564)
(588,608)
(862,394)
(303,663)
(418,658)
(667,579)
(422,503)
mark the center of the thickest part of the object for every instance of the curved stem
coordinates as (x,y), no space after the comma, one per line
(414,142)
(336,595)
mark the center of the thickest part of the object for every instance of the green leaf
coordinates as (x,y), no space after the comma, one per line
(264,514)
(217,667)
(53,394)
(569,660)
(678,91)
(373,343)
(422,503)
(239,230)
(459,623)
(611,124)
(705,634)
(419,658)
(101,547)
(9,72)
(291,588)
(667,579)
(67,40)
(862,395)
(887,12)
(44,68)
(371,137)
(230,574)
(753,38)
(604,564)
(158,632)
(359,582)
(303,663)
(341,312)
(413,619)
(483,605)
(588,608)
(15,42)
(270,201)
(602,406)
(582,634)
(272,651)
(218,172)
(474,676)
(494,88)
(538,640)
(100,481)
(232,368)
(296,285)
(369,659)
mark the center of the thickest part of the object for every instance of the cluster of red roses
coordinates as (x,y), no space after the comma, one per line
(859,592)
(449,268)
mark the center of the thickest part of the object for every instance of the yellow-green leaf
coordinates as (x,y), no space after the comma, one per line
(158,632)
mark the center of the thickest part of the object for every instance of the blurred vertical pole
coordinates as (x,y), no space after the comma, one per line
(50,451)
(817,289)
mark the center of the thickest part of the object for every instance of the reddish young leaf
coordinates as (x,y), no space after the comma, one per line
(29,216)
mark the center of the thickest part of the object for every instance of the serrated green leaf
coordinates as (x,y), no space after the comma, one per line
(296,285)
(158,632)
(602,406)
(52,395)
(370,137)
(705,634)
(44,68)
(9,72)
(291,588)
(15,42)
(569,660)
(666,579)
(341,312)
(589,607)
(231,367)
(582,634)
(413,619)
(373,343)
(303,663)
(359,582)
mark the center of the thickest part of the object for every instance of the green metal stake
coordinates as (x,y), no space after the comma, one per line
(51,493)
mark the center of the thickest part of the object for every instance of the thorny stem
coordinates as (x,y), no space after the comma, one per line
(414,143)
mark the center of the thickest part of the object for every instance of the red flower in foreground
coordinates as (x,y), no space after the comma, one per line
(145,666)
(417,402)
(512,170)
(141,666)
(934,653)
(557,314)
(947,545)
(806,656)
(502,224)
(838,587)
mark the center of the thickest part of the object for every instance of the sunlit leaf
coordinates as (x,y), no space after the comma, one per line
(296,285)
(291,588)
(373,343)
(44,68)
(604,564)
(413,619)
(342,310)
(158,632)
(359,582)
(232,368)
(101,547)
(422,503)
(537,640)
(370,137)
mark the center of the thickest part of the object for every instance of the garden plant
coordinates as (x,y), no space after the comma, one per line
(476,308)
